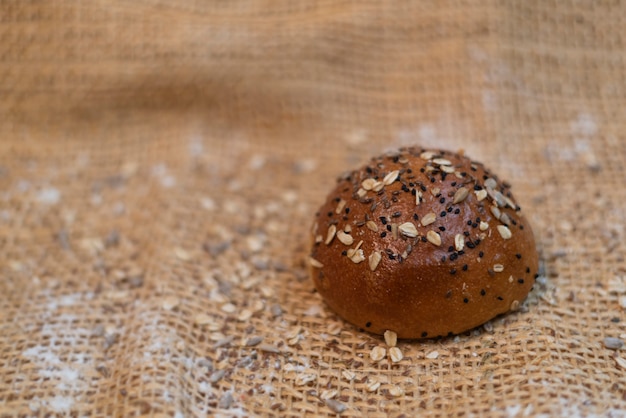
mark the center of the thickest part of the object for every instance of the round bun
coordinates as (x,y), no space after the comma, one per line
(424,243)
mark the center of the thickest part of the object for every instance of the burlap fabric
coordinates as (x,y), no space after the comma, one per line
(161,161)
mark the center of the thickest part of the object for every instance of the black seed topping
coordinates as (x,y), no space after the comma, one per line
(520,281)
(453,271)
(464,267)
(408,170)
(466,233)
(368,324)
(474,225)
(465,300)
(423,187)
(422,170)
(469,222)
(442,214)
(521,226)
(383,220)
(330,214)
(481,254)
(500,298)
(424,334)
(397,214)
(442,228)
(415,217)
(527,269)
(432,180)
(389,228)
(449,209)
(482,292)
(451,249)
(442,200)
(383,234)
(392,256)
(424,239)
(413,192)
(453,184)
(518,255)
(453,256)
(443,259)
(477,187)
(457,211)
(461,252)
(344,252)
(470,244)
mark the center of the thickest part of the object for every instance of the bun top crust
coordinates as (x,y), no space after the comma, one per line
(424,243)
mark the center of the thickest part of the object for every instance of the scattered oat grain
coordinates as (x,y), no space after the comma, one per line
(346,239)
(378,353)
(621,362)
(432,355)
(428,219)
(391,338)
(480,194)
(408,229)
(348,375)
(504,231)
(374,259)
(460,195)
(391,177)
(459,242)
(368,184)
(373,385)
(202,319)
(395,354)
(434,238)
(371,225)
(332,230)
(340,205)
(315,263)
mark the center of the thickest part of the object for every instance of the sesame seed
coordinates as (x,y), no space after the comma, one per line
(434,238)
(514,305)
(371,225)
(435,191)
(460,195)
(345,239)
(483,226)
(361,192)
(480,194)
(505,219)
(511,279)
(330,234)
(390,178)
(408,229)
(459,242)
(314,263)
(496,212)
(374,260)
(490,183)
(498,268)
(505,232)
(428,219)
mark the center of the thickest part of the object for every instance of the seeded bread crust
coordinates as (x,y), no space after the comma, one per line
(424,243)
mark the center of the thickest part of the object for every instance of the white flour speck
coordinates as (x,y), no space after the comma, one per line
(61,403)
(49,196)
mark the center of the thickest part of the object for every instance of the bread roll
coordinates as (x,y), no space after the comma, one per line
(424,243)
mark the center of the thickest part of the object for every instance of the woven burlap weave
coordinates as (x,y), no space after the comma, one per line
(161,162)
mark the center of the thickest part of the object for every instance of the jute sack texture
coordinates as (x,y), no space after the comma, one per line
(161,162)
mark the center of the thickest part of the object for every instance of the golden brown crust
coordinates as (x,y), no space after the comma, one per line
(451,262)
